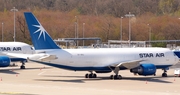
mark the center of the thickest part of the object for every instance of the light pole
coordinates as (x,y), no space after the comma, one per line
(75,24)
(14,10)
(83,33)
(121,32)
(2,31)
(77,28)
(129,16)
(149,34)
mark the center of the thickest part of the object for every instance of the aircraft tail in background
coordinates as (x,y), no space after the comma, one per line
(39,36)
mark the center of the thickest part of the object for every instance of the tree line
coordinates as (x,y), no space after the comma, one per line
(116,8)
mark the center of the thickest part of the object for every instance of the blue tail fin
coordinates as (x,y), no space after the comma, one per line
(177,53)
(40,38)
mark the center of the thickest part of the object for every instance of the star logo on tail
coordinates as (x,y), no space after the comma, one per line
(41,31)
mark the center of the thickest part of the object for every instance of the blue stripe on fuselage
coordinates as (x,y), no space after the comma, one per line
(73,68)
(17,59)
(90,68)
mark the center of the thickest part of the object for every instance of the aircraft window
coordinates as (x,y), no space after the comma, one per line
(32,48)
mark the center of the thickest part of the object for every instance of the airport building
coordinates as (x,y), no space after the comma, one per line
(73,43)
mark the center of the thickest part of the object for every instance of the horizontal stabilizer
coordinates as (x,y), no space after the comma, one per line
(42,57)
(48,58)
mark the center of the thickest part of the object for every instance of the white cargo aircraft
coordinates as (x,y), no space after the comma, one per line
(142,61)
(14,47)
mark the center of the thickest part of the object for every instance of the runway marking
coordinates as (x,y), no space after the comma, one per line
(12,93)
(41,73)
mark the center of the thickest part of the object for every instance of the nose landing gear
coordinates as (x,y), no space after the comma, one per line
(164,74)
(23,65)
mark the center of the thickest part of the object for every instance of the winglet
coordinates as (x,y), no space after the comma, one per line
(40,38)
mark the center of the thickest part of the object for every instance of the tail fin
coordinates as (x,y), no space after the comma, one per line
(177,53)
(40,38)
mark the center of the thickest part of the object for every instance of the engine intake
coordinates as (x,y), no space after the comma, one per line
(144,69)
(4,61)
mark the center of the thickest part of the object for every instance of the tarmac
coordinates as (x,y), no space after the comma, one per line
(39,79)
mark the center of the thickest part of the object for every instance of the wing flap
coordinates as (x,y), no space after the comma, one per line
(129,64)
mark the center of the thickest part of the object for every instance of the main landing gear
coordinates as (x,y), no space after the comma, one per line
(164,74)
(23,65)
(91,75)
(116,76)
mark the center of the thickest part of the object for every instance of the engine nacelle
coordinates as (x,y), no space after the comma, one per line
(144,69)
(4,61)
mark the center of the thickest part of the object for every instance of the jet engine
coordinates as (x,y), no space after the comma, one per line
(4,61)
(144,69)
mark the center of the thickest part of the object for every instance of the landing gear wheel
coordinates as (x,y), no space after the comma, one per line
(120,77)
(111,77)
(91,75)
(115,77)
(94,76)
(164,74)
(87,76)
(13,64)
(22,67)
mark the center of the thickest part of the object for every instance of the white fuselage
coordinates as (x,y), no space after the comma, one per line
(15,47)
(107,57)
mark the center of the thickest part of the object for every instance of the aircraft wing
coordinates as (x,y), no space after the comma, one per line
(18,55)
(129,64)
(41,56)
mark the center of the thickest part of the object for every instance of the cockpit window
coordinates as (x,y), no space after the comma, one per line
(32,48)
